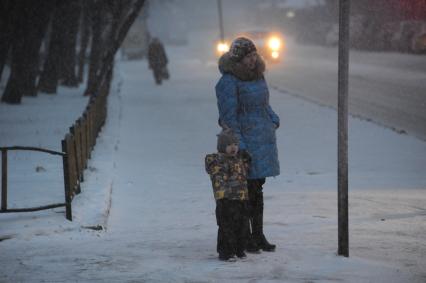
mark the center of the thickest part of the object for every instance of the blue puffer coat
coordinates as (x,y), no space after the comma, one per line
(243,102)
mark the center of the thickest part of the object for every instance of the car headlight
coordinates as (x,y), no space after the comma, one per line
(222,47)
(275,54)
(274,43)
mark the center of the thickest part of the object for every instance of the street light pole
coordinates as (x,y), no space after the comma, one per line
(219,8)
(342,171)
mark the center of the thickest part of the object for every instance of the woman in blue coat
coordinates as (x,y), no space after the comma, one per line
(243,102)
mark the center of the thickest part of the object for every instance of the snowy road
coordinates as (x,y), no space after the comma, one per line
(161,226)
(388,88)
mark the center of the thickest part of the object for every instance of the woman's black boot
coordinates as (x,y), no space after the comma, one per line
(257,221)
(252,246)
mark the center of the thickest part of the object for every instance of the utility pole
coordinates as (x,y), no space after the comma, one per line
(342,146)
(219,8)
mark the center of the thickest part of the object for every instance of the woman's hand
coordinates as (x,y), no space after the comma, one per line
(245,155)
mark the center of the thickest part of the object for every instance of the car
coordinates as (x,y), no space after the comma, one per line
(270,45)
(222,46)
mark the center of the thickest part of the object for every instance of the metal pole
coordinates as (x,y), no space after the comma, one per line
(342,171)
(219,8)
(4,180)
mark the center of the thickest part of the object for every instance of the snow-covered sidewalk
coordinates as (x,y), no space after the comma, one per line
(161,225)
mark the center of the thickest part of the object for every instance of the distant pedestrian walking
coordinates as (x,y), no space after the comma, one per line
(158,60)
(243,102)
(228,172)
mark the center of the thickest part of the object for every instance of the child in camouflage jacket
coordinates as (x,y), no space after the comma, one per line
(228,171)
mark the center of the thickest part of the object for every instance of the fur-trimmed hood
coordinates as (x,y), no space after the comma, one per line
(227,65)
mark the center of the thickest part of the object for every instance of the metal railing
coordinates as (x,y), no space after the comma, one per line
(4,208)
(77,146)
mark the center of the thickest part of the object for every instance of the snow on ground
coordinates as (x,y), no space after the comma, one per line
(34,178)
(147,186)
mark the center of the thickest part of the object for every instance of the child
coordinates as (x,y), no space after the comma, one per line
(228,173)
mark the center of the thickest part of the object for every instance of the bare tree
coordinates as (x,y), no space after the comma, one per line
(12,37)
(97,10)
(7,11)
(38,20)
(84,39)
(68,62)
(124,15)
(49,77)
(60,62)
(28,29)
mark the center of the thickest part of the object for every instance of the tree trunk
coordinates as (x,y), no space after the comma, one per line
(121,33)
(49,77)
(84,40)
(68,62)
(22,28)
(97,11)
(38,20)
(7,11)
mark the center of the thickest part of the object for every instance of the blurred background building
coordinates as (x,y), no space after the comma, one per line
(379,25)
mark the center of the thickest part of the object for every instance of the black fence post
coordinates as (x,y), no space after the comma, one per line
(83,141)
(75,144)
(4,179)
(68,211)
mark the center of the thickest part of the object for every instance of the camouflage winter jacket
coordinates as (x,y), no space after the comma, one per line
(228,175)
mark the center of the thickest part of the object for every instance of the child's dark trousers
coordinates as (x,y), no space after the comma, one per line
(233,222)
